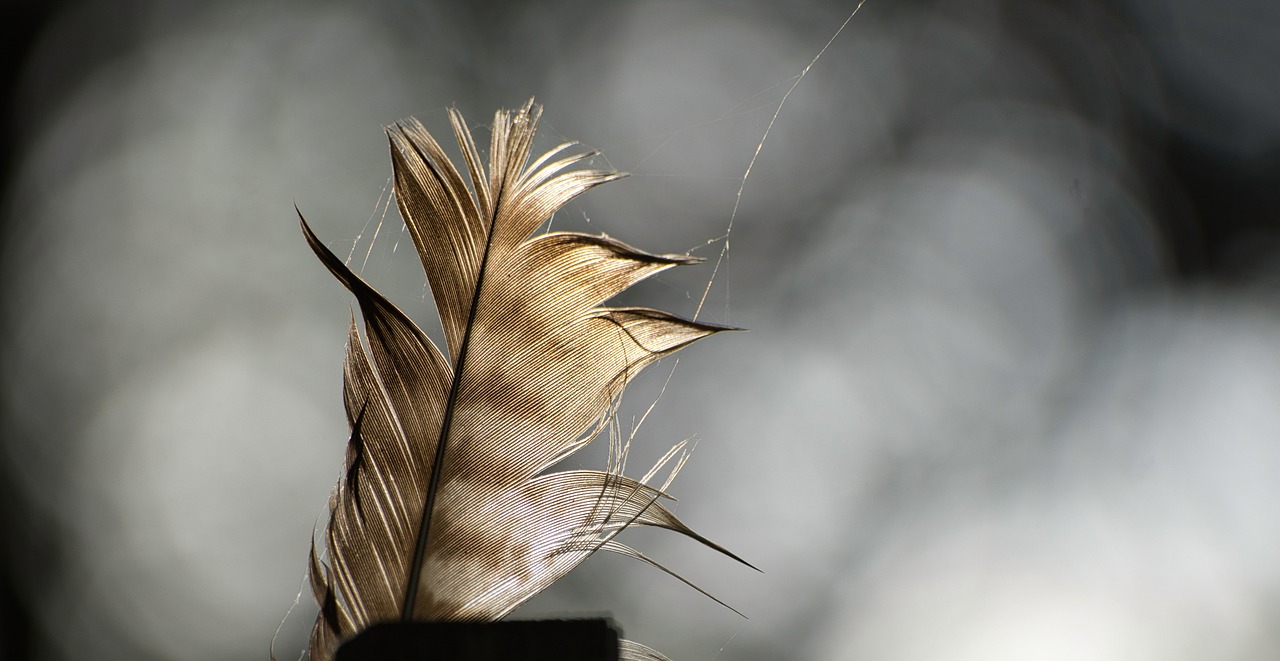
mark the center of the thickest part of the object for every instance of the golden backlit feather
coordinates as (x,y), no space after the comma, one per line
(445,510)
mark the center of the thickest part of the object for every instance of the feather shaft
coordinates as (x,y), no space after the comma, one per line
(446,425)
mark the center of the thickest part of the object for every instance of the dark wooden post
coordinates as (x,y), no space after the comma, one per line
(516,640)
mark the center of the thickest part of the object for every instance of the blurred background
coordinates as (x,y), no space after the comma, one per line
(1011,388)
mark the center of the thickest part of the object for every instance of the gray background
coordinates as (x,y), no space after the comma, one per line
(1010,389)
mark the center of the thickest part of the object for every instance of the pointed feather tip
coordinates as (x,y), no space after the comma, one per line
(322,251)
(357,286)
(719,549)
(307,232)
(712,328)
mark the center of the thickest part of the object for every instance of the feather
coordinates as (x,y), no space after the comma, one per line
(445,510)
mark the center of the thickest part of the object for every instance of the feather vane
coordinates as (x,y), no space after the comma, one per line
(444,510)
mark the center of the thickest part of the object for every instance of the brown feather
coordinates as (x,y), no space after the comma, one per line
(444,511)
